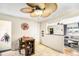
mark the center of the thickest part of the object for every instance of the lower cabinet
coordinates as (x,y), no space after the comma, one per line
(54,41)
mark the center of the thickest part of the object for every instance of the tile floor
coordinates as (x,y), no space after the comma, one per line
(40,50)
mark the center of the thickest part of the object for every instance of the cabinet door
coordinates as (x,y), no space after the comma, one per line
(54,42)
(43,41)
(57,43)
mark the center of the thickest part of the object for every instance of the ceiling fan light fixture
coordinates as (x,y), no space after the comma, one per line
(40,9)
(33,14)
(39,12)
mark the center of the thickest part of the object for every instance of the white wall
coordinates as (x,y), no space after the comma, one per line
(17,32)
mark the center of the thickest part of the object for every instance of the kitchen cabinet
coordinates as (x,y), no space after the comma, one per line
(54,41)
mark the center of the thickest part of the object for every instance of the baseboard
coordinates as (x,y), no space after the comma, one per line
(5,50)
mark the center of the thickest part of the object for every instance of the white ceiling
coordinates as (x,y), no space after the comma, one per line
(64,10)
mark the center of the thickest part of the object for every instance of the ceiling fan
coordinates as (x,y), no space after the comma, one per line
(40,9)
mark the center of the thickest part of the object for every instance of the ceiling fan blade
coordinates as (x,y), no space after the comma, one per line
(37,5)
(27,10)
(41,6)
(50,8)
(31,4)
(33,14)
